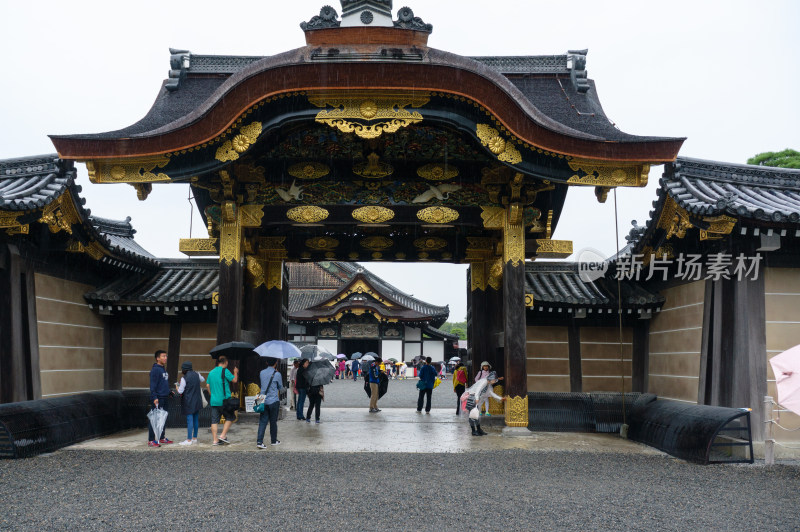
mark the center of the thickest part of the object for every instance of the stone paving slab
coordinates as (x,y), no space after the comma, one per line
(348,430)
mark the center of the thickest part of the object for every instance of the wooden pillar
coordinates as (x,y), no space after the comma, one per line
(19,345)
(112,354)
(516,378)
(478,315)
(733,352)
(641,356)
(229,309)
(174,350)
(575,367)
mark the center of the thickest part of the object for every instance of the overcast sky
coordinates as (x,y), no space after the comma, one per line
(723,74)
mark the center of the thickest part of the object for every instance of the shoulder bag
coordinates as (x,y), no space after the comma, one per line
(231,404)
(259,406)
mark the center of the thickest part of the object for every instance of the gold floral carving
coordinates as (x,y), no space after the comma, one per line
(553,249)
(495,279)
(93,249)
(215,298)
(608,174)
(529,300)
(198,247)
(142,190)
(309,170)
(60,214)
(477,276)
(493,217)
(497,408)
(252,215)
(9,222)
(373,214)
(231,149)
(517,411)
(503,149)
(368,114)
(430,243)
(322,243)
(360,287)
(373,168)
(128,171)
(230,234)
(437,215)
(307,214)
(719,226)
(437,172)
(255,268)
(514,237)
(377,243)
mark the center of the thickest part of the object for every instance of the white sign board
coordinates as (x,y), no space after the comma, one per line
(249,401)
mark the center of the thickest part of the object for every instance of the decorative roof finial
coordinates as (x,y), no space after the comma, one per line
(367,13)
(327,18)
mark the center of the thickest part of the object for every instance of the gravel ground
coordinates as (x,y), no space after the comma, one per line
(503,490)
(401,394)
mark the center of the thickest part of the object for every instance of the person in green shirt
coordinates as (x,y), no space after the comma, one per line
(219,383)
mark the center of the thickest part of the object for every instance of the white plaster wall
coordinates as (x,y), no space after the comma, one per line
(433,349)
(411,350)
(330,345)
(413,334)
(392,349)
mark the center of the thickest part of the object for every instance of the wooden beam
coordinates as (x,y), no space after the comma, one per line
(575,368)
(516,378)
(174,350)
(641,356)
(112,354)
(229,310)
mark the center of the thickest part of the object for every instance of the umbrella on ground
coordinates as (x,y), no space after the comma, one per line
(233,350)
(341,355)
(312,351)
(786,368)
(319,373)
(278,349)
(356,355)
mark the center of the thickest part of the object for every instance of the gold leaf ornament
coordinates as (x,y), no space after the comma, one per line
(437,215)
(307,214)
(309,170)
(503,149)
(373,214)
(247,136)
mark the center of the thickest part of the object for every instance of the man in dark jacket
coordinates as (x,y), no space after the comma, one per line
(427,377)
(159,395)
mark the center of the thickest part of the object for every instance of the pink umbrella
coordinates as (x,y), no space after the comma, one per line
(786,367)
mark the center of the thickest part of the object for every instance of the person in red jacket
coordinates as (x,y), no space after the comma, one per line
(459,384)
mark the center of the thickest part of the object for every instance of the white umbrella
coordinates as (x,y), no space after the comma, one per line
(312,351)
(277,349)
(367,358)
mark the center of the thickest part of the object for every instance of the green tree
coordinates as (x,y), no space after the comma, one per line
(458,331)
(459,328)
(781,159)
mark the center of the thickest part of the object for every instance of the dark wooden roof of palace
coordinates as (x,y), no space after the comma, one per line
(759,194)
(537,87)
(558,284)
(118,236)
(28,183)
(711,188)
(194,280)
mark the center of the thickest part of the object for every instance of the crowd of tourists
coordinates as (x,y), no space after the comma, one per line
(470,402)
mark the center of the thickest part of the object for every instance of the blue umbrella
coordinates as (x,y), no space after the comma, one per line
(278,349)
(356,355)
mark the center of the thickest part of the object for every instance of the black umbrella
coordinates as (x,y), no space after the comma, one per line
(383,386)
(233,350)
(319,373)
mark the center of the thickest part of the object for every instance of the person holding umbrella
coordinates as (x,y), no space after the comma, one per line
(355,367)
(301,385)
(427,377)
(271,386)
(318,374)
(374,381)
(159,396)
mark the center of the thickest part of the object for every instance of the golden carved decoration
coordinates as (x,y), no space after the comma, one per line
(230,234)
(497,408)
(309,170)
(128,171)
(719,225)
(215,298)
(377,255)
(495,277)
(353,255)
(608,173)
(9,222)
(377,243)
(553,249)
(373,168)
(325,243)
(198,247)
(437,172)
(373,214)
(360,287)
(274,275)
(60,214)
(514,236)
(400,256)
(253,389)
(517,411)
(252,215)
(479,249)
(307,214)
(142,190)
(430,243)
(231,149)
(477,276)
(493,217)
(437,215)
(248,173)
(351,108)
(255,267)
(529,300)
(93,249)
(272,248)
(504,150)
